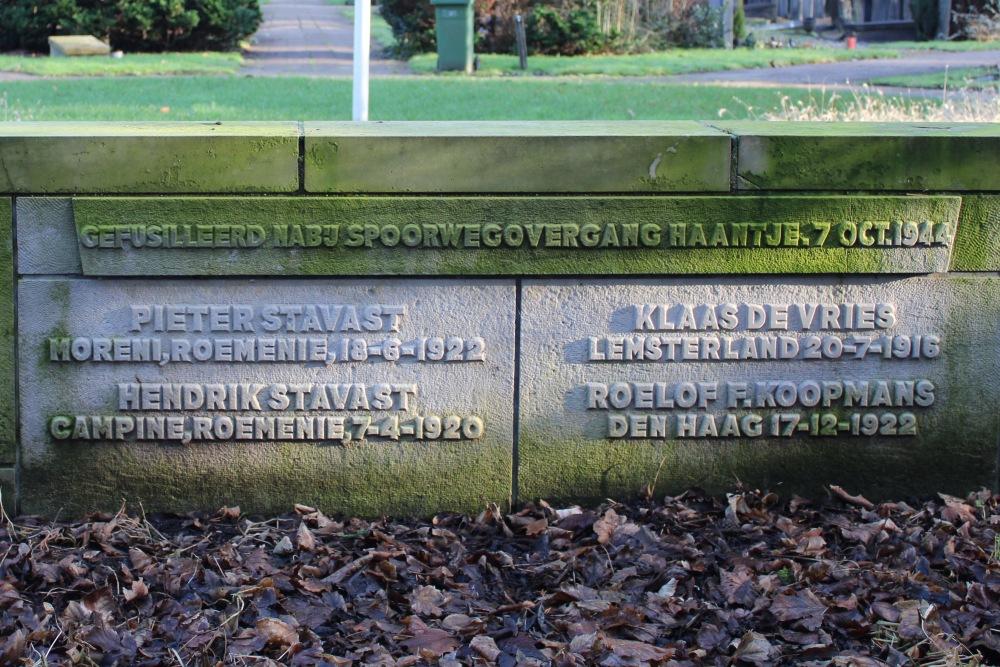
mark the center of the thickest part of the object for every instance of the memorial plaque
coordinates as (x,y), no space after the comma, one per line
(359,396)
(408,318)
(883,385)
(506,235)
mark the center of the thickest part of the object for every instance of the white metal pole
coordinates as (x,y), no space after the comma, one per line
(362,41)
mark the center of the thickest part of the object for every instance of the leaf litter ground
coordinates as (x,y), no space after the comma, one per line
(749,579)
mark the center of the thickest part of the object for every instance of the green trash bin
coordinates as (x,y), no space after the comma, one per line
(453,19)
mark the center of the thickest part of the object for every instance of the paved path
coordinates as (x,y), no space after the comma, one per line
(308,38)
(854,71)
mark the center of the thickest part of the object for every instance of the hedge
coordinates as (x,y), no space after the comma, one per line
(131,25)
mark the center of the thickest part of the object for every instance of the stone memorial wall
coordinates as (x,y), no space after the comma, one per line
(415,317)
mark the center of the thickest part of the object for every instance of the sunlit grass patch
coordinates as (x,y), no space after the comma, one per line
(868,104)
(131,64)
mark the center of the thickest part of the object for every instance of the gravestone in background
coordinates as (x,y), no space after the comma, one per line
(65,46)
(417,317)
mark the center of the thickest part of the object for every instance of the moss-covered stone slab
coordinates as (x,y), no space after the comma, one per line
(977,245)
(866,156)
(362,396)
(47,236)
(8,407)
(886,386)
(512,235)
(148,157)
(483,157)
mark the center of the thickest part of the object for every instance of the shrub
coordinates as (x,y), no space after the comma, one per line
(495,24)
(133,25)
(739,23)
(981,24)
(681,23)
(412,23)
(568,27)
(224,23)
(153,25)
(28,25)
(567,31)
(695,25)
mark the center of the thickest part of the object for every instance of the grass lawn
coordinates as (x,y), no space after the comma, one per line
(684,61)
(976,78)
(133,64)
(422,98)
(941,46)
(677,61)
(381,31)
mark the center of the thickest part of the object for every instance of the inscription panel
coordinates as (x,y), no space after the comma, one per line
(880,384)
(361,396)
(514,235)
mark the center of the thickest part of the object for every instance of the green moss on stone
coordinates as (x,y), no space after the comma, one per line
(955,450)
(583,470)
(359,479)
(972,422)
(866,156)
(148,157)
(8,346)
(268,213)
(977,247)
(485,157)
